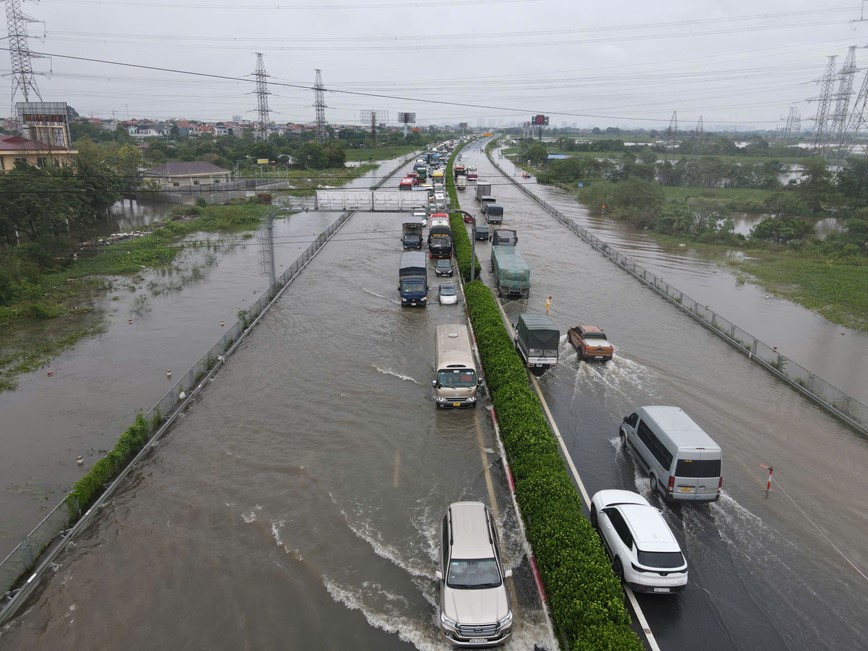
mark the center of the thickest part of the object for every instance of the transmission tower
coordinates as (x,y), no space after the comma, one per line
(838,130)
(700,135)
(821,127)
(858,119)
(19,51)
(261,98)
(794,124)
(672,131)
(320,106)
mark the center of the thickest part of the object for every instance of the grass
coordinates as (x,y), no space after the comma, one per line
(379,153)
(835,290)
(60,309)
(311,179)
(723,195)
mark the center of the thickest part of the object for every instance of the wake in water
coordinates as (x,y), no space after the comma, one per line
(385,298)
(400,376)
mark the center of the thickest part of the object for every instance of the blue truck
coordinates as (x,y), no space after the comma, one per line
(413,279)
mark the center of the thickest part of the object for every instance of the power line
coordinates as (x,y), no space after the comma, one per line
(526,111)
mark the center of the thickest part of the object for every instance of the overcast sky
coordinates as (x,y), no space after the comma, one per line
(737,63)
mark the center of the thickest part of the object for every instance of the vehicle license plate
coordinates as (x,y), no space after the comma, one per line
(685,489)
(478,640)
(661,589)
(456,404)
(598,357)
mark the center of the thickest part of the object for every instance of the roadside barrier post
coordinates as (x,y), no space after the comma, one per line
(769,482)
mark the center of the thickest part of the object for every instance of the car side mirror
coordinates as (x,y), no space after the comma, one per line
(479,381)
(434,383)
(439,575)
(507,574)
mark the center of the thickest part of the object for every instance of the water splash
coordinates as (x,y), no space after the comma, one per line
(400,376)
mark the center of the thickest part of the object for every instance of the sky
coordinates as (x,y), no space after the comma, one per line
(735,64)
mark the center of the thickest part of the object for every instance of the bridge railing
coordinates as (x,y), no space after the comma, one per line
(831,398)
(49,536)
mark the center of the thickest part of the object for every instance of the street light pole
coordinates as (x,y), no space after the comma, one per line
(472,249)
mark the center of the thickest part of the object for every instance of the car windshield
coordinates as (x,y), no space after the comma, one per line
(594,335)
(660,559)
(456,378)
(447,290)
(473,574)
(443,264)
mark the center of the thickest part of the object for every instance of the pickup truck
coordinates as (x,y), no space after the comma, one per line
(591,343)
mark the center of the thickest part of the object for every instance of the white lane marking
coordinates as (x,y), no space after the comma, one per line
(652,642)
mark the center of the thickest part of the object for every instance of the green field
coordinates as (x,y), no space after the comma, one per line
(837,291)
(379,153)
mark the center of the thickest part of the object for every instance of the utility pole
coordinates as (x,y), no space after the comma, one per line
(261,98)
(700,135)
(19,52)
(374,128)
(320,107)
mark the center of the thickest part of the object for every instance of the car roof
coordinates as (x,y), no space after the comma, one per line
(470,530)
(590,328)
(650,531)
(673,419)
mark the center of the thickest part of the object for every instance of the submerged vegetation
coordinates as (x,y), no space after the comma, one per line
(49,291)
(692,191)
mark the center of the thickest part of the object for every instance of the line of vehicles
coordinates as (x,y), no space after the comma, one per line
(683,464)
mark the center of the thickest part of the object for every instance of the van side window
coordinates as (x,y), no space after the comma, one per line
(620,526)
(654,445)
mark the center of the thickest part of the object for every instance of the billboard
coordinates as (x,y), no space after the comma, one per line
(539,120)
(462,125)
(407,118)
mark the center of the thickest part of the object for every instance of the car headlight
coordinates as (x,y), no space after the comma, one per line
(506,621)
(451,623)
(424,298)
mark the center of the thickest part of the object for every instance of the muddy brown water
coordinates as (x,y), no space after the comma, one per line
(296,502)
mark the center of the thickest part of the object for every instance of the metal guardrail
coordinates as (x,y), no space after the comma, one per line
(836,401)
(50,536)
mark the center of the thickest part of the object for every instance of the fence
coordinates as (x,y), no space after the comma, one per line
(49,537)
(845,407)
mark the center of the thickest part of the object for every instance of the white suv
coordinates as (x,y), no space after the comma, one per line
(644,553)
(474,606)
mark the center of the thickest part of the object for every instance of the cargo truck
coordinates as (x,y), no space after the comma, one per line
(537,340)
(461,183)
(511,273)
(411,237)
(482,190)
(413,279)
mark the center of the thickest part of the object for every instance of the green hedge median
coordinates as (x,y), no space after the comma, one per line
(460,239)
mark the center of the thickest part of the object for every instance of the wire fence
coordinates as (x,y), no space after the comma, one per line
(839,403)
(52,533)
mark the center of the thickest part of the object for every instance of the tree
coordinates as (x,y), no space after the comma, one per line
(781,231)
(98,179)
(128,161)
(42,201)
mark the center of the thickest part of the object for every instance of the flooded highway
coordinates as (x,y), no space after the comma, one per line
(765,572)
(97,386)
(296,503)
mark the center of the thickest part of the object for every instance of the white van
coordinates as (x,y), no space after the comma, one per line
(456,383)
(683,462)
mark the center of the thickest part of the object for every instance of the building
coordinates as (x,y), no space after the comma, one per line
(184,174)
(15,148)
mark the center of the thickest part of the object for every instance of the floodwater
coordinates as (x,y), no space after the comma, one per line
(97,387)
(295,504)
(835,353)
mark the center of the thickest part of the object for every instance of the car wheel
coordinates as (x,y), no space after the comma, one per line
(594,521)
(623,437)
(654,487)
(619,569)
